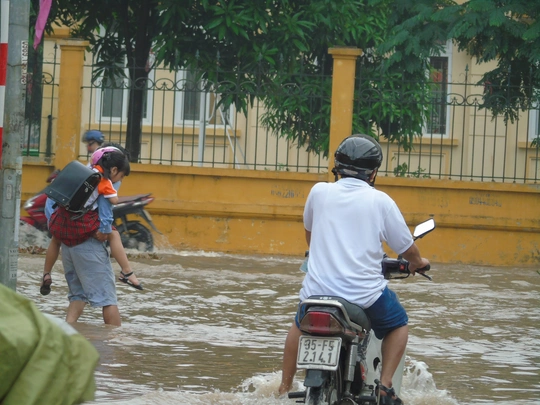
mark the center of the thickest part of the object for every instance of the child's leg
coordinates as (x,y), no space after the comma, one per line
(50,259)
(52,255)
(119,254)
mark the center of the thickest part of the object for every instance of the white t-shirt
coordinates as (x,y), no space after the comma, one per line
(348,221)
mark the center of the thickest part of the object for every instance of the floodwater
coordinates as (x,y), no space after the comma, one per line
(209,328)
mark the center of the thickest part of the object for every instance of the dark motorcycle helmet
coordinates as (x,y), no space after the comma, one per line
(93,135)
(358,156)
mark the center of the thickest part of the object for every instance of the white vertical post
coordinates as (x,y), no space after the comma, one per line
(17,13)
(202,125)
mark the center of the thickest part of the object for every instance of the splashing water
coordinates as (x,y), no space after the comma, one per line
(419,386)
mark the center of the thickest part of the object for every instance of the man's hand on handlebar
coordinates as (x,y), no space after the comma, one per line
(419,267)
(416,262)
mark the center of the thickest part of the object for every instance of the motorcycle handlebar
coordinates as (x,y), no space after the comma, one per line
(392,267)
(425,268)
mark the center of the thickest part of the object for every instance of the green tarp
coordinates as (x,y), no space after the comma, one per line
(42,360)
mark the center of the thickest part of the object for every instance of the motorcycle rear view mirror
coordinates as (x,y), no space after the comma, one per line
(424,228)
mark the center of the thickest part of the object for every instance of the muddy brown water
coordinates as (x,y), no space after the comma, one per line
(209,328)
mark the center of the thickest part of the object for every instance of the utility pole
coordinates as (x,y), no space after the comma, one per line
(13,132)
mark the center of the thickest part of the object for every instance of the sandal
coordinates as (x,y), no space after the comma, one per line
(45,287)
(124,279)
(390,398)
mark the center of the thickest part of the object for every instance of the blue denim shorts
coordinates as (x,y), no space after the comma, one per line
(386,314)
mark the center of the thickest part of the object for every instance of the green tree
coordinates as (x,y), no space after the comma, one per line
(396,69)
(505,31)
(284,43)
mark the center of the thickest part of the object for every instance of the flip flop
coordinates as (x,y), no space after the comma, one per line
(390,398)
(45,287)
(124,279)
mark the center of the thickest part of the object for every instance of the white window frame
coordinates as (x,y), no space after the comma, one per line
(204,106)
(99,117)
(446,53)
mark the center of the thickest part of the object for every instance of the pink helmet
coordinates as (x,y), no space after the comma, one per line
(98,154)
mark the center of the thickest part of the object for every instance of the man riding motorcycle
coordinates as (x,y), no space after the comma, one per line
(345,224)
(93,139)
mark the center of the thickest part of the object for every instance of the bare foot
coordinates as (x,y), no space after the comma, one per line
(133,279)
(283,390)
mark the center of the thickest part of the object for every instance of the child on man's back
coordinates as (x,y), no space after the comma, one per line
(113,166)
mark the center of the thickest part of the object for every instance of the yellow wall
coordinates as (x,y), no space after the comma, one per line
(258,212)
(246,211)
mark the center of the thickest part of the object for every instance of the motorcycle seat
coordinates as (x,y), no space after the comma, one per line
(356,313)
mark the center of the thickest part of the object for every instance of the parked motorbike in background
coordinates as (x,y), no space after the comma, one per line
(134,234)
(338,350)
(35,207)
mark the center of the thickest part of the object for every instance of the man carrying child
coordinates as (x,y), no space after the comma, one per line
(87,267)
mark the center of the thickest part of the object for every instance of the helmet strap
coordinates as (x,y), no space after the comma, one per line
(369,179)
(372,178)
(334,170)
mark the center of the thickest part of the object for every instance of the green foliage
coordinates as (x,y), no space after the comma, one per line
(402,170)
(508,32)
(298,107)
(393,97)
(279,46)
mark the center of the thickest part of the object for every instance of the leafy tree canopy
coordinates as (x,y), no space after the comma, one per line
(505,31)
(281,41)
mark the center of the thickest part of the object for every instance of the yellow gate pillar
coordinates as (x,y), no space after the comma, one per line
(341,114)
(68,129)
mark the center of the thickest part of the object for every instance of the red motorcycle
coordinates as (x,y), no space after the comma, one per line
(35,207)
(133,233)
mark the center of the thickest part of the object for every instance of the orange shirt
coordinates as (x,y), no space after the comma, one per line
(105,186)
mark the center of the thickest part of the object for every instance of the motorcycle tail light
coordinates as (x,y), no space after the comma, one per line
(321,323)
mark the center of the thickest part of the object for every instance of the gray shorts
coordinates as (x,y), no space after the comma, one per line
(89,273)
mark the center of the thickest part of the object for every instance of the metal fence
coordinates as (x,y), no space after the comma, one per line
(184,123)
(41,106)
(470,130)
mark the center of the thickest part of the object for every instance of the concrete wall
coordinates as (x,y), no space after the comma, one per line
(258,212)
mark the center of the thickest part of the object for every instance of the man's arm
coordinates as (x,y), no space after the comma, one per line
(412,255)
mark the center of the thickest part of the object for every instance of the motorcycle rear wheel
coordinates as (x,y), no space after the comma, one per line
(329,393)
(137,236)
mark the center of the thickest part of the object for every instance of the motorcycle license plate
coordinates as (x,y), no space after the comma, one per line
(318,352)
